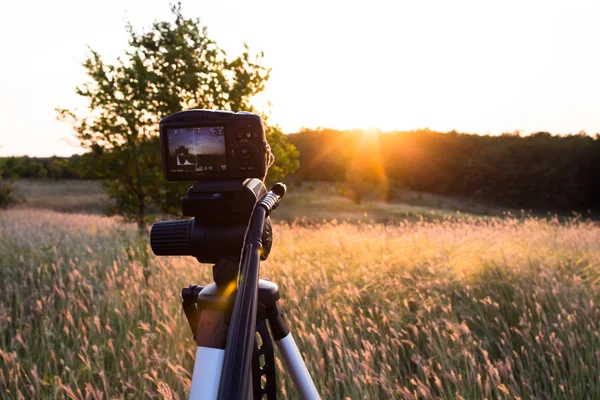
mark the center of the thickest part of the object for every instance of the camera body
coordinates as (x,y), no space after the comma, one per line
(225,153)
(199,145)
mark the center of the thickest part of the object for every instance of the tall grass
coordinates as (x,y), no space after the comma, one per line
(79,196)
(502,308)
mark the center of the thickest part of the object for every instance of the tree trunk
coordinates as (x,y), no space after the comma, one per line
(139,190)
(141,225)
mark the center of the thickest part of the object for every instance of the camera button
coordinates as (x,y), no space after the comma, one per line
(245,151)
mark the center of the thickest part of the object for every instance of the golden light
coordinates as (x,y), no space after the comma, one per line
(369,162)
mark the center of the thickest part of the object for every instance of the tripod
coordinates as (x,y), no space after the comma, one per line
(207,309)
(230,318)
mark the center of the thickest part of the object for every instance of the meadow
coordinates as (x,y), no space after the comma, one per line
(84,196)
(445,307)
(311,202)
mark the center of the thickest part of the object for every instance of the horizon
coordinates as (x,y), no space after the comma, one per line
(364,132)
(466,66)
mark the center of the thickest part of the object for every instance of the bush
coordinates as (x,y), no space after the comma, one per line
(6,191)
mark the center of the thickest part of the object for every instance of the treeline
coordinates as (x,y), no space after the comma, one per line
(538,171)
(46,167)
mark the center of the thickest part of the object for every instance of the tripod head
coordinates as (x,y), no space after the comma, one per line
(223,316)
(220,212)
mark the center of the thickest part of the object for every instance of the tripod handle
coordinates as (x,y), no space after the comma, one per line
(272,199)
(235,378)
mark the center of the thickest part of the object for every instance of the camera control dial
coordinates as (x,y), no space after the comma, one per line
(245,151)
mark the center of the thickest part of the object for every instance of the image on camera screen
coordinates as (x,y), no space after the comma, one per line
(200,149)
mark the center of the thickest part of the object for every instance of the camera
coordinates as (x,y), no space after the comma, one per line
(225,153)
(213,145)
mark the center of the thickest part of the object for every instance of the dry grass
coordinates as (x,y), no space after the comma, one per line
(70,196)
(314,201)
(502,308)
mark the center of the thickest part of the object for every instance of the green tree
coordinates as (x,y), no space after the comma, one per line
(170,67)
(57,168)
(13,167)
(6,191)
(286,155)
(6,187)
(34,169)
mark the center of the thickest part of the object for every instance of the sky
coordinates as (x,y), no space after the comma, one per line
(203,141)
(473,66)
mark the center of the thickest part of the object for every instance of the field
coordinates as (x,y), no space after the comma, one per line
(445,307)
(64,196)
(313,202)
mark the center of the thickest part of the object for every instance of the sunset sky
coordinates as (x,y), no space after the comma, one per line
(473,66)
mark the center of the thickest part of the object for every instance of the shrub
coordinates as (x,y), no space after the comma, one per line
(6,192)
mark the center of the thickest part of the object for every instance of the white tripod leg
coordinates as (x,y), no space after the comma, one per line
(295,367)
(207,373)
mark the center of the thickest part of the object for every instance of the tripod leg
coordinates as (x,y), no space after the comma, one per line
(207,373)
(292,359)
(211,337)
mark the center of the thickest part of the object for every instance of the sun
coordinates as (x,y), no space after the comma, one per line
(369,158)
(371,132)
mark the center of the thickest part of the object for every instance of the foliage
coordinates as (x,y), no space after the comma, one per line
(54,167)
(539,171)
(286,155)
(6,191)
(448,309)
(170,67)
(24,167)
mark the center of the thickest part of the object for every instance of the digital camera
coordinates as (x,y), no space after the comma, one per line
(201,145)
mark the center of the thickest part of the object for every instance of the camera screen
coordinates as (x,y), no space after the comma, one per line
(199,149)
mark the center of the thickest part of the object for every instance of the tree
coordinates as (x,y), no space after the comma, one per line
(171,67)
(182,150)
(286,155)
(57,168)
(35,169)
(6,190)
(6,186)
